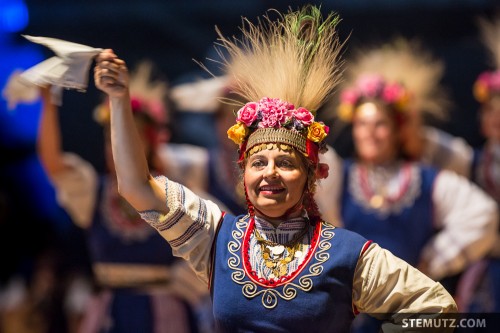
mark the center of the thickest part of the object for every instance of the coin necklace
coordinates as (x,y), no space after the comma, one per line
(277,256)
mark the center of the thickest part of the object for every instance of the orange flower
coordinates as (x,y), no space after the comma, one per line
(404,101)
(480,91)
(316,132)
(345,112)
(237,133)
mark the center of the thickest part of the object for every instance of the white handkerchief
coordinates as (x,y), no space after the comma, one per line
(68,69)
(18,91)
(199,96)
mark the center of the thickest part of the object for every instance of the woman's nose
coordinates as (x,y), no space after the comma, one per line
(270,171)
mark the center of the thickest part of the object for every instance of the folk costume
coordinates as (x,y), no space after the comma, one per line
(418,212)
(304,274)
(480,287)
(137,279)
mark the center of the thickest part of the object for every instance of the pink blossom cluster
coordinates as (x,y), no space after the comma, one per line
(373,86)
(274,113)
(153,108)
(490,80)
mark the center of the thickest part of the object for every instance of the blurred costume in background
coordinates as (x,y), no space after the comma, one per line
(435,219)
(49,269)
(480,286)
(223,176)
(409,63)
(140,285)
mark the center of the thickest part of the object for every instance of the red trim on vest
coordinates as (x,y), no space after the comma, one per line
(271,283)
(365,247)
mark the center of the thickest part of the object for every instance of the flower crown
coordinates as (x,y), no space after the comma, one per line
(272,120)
(486,85)
(152,109)
(372,87)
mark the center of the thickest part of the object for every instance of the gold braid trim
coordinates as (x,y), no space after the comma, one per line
(277,135)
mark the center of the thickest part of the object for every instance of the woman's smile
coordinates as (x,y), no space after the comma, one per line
(274,180)
(267,190)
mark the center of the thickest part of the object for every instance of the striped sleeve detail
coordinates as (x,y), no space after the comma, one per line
(187,235)
(187,214)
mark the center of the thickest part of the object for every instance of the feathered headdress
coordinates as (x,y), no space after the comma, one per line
(488,82)
(400,73)
(286,68)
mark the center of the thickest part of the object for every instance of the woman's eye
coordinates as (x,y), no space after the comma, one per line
(286,164)
(258,163)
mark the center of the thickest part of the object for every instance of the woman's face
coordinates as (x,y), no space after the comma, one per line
(374,134)
(275,181)
(490,119)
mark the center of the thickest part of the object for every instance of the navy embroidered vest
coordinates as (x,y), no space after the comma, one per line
(318,299)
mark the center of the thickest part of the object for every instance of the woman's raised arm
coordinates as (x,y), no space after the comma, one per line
(135,183)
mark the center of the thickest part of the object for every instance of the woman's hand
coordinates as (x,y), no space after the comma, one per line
(111,74)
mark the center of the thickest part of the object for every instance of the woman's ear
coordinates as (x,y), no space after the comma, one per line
(322,171)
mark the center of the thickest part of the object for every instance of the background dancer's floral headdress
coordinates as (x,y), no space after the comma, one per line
(149,99)
(287,69)
(148,96)
(400,73)
(487,83)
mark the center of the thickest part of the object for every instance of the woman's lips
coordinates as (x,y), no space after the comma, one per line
(271,189)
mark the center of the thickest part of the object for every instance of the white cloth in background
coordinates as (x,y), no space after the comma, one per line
(199,96)
(17,91)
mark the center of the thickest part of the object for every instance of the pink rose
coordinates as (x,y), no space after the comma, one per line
(326,128)
(304,116)
(322,171)
(370,85)
(248,113)
(495,81)
(349,96)
(392,93)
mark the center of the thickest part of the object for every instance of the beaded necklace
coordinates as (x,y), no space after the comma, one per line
(277,256)
(378,194)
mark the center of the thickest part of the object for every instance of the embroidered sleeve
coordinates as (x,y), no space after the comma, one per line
(384,285)
(189,226)
(467,218)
